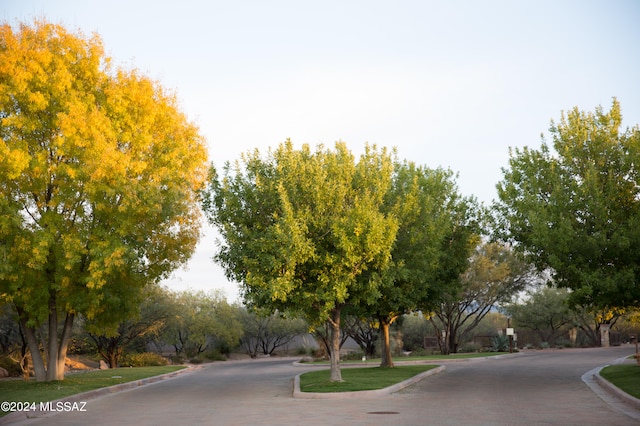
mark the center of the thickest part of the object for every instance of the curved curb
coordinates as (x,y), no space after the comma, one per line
(617,392)
(362,394)
(610,394)
(21,416)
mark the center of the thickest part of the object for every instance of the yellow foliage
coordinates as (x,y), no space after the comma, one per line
(100,167)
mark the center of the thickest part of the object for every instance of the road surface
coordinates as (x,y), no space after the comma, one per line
(535,387)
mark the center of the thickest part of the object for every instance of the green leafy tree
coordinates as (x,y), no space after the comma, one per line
(432,218)
(495,275)
(300,228)
(99,173)
(415,327)
(364,331)
(545,312)
(591,320)
(266,333)
(146,324)
(574,207)
(201,321)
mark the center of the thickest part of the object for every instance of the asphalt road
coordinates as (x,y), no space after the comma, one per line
(533,388)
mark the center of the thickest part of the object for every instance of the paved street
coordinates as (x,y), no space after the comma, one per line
(537,387)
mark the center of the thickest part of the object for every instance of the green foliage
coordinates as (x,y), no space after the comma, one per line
(574,208)
(364,331)
(144,326)
(263,333)
(545,311)
(145,359)
(11,365)
(415,327)
(470,347)
(494,276)
(199,322)
(500,343)
(437,229)
(302,228)
(99,179)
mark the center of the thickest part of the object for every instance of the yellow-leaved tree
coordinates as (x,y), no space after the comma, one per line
(99,180)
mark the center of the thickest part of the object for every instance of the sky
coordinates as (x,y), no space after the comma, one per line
(449,84)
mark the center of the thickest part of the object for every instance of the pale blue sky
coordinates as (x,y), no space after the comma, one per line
(450,84)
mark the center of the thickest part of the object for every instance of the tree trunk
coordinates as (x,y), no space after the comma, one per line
(52,355)
(453,344)
(34,348)
(385,323)
(113,359)
(336,375)
(55,350)
(65,338)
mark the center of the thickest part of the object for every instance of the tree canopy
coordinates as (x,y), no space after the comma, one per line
(574,207)
(301,227)
(437,230)
(494,276)
(99,173)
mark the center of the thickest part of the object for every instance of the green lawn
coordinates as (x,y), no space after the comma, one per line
(32,391)
(625,377)
(359,379)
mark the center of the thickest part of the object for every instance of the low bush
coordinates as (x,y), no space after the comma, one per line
(177,359)
(352,356)
(11,366)
(145,359)
(423,352)
(500,343)
(469,347)
(215,356)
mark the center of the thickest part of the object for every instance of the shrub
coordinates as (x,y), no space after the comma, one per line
(563,343)
(500,343)
(12,367)
(215,356)
(177,359)
(422,352)
(469,347)
(145,359)
(352,356)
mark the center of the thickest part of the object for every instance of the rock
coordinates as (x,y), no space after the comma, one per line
(73,364)
(3,372)
(103,365)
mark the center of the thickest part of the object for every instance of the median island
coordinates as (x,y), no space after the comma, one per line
(360,379)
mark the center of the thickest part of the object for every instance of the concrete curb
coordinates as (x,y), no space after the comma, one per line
(617,392)
(22,416)
(610,394)
(362,394)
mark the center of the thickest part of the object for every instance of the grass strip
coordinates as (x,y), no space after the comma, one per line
(624,376)
(32,391)
(359,379)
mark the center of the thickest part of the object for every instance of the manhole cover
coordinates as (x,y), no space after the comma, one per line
(383,412)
